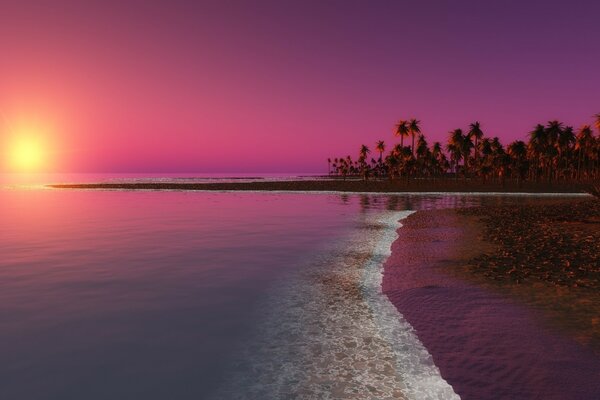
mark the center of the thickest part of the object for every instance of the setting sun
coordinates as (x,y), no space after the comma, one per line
(27,147)
(27,154)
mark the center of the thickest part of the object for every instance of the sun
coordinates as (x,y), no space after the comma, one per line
(27,147)
(30,142)
(27,153)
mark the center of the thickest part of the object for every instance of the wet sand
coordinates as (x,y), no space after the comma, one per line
(486,344)
(336,185)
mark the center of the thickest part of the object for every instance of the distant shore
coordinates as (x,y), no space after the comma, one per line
(329,185)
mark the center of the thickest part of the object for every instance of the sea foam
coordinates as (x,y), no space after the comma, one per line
(330,332)
(415,364)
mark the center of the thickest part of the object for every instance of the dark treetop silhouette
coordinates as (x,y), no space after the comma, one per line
(553,153)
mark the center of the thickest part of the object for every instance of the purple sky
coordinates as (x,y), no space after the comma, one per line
(148,86)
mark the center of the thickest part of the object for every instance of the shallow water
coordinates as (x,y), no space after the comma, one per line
(117,294)
(108,294)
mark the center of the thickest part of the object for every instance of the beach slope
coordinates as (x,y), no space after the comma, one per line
(486,344)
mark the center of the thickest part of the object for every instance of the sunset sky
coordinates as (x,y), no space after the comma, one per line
(277,86)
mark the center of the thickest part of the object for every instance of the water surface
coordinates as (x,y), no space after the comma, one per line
(120,294)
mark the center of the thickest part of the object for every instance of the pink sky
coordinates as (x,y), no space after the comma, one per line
(147,86)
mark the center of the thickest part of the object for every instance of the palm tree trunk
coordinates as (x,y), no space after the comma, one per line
(476,163)
(456,170)
(579,166)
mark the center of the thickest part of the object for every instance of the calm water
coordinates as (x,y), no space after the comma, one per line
(42,179)
(117,294)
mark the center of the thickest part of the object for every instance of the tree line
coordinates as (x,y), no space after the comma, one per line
(552,152)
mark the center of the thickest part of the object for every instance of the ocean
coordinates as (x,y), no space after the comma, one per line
(196,295)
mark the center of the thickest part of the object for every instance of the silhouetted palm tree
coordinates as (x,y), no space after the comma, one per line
(553,132)
(596,153)
(407,162)
(552,152)
(414,129)
(439,158)
(401,130)
(500,160)
(535,148)
(475,133)
(391,163)
(423,158)
(467,146)
(455,148)
(584,147)
(364,151)
(517,151)
(564,147)
(380,146)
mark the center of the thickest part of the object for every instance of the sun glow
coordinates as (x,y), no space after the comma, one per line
(27,148)
(27,154)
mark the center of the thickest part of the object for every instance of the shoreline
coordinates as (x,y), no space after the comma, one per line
(419,373)
(332,333)
(485,342)
(351,186)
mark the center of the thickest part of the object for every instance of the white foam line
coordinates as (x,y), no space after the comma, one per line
(414,363)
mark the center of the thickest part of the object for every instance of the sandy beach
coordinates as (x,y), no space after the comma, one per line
(547,256)
(487,341)
(329,185)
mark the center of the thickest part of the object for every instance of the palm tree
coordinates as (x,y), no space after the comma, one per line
(455,148)
(499,158)
(596,154)
(584,144)
(517,151)
(414,129)
(476,133)
(391,163)
(467,145)
(364,151)
(344,168)
(401,130)
(564,148)
(440,161)
(538,140)
(485,167)
(423,156)
(407,162)
(380,146)
(552,151)
(553,131)
(334,166)
(398,154)
(362,161)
